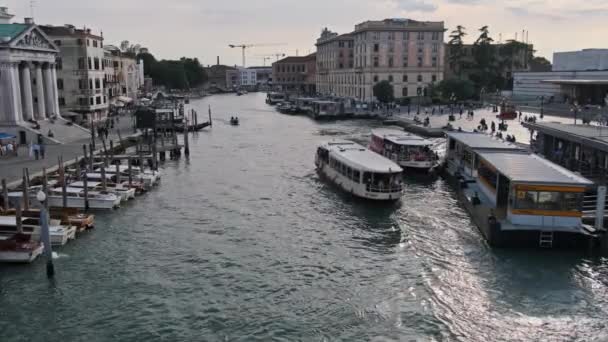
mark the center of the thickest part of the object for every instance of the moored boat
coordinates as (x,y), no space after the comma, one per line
(406,149)
(19,248)
(359,171)
(60,235)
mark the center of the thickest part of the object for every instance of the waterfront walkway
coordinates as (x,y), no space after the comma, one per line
(11,168)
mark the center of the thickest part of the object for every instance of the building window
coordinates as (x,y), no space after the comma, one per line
(60,84)
(390,78)
(435,47)
(390,61)
(58,63)
(404,78)
(57,42)
(420,35)
(81,63)
(90,63)
(375,78)
(341,44)
(94,43)
(79,41)
(419,78)
(88,42)
(105,99)
(91,84)
(98,100)
(376,63)
(434,78)
(376,36)
(406,36)
(82,84)
(391,47)
(82,101)
(61,101)
(434,60)
(405,62)
(419,61)
(391,36)
(435,36)
(404,92)
(376,47)
(97,84)
(96,62)
(91,101)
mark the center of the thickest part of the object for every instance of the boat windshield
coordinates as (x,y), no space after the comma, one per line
(383,182)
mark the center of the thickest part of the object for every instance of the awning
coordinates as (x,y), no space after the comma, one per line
(4,136)
(125,99)
(576,82)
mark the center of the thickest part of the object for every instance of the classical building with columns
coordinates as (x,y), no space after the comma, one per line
(28,76)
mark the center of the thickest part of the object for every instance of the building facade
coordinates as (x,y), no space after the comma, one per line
(80,72)
(296,74)
(263,75)
(123,75)
(584,87)
(248,78)
(407,53)
(218,77)
(28,72)
(335,64)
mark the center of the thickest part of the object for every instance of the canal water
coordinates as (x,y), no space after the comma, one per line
(244,242)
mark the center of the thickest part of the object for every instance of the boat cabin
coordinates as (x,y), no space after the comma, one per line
(274,98)
(463,148)
(402,147)
(525,190)
(305,104)
(359,170)
(322,109)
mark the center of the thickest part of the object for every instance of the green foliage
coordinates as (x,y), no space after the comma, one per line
(456,43)
(540,64)
(185,73)
(461,89)
(384,92)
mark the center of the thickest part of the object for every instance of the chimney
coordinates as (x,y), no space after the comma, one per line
(218,60)
(5,17)
(29,21)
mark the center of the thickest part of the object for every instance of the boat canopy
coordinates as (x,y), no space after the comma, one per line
(80,184)
(361,158)
(481,141)
(398,137)
(532,169)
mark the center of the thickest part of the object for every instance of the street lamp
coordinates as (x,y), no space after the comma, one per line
(575,109)
(452,102)
(542,105)
(45,234)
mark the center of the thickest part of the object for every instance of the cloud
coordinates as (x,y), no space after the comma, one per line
(416,5)
(525,12)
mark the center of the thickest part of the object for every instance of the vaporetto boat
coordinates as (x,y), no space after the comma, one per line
(406,149)
(359,171)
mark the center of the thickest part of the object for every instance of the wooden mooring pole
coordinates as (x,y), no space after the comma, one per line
(85,183)
(186,144)
(5,195)
(45,233)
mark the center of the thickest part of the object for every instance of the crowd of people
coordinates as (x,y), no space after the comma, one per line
(9,148)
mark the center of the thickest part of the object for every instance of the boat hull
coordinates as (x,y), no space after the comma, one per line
(78,202)
(23,256)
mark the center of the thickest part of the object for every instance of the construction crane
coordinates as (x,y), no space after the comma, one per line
(269,57)
(247,46)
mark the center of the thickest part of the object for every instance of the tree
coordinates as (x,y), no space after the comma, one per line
(461,89)
(384,92)
(540,64)
(184,73)
(486,73)
(195,73)
(456,44)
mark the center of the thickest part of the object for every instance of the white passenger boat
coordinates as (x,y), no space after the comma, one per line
(19,248)
(406,149)
(359,171)
(125,193)
(60,235)
(274,98)
(148,177)
(75,198)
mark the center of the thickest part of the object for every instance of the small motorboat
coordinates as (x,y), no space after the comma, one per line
(19,248)
(234,121)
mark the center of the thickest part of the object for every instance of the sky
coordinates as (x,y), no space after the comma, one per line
(204,28)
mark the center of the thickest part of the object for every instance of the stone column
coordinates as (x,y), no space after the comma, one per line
(49,91)
(26,92)
(55,90)
(40,93)
(10,94)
